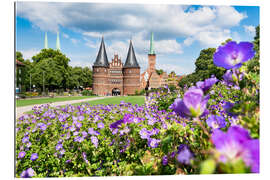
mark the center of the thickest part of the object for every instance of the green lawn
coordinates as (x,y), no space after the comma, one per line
(116,100)
(26,102)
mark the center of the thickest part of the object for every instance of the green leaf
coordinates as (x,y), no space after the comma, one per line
(208,167)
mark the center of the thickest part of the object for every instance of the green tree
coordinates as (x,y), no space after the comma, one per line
(254,64)
(205,66)
(159,71)
(54,64)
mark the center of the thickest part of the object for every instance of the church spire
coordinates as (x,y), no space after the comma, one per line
(152,44)
(58,42)
(102,60)
(46,41)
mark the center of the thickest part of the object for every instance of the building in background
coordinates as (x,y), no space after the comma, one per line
(115,78)
(150,78)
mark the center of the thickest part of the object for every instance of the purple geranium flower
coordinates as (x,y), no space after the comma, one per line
(116,124)
(145,133)
(154,131)
(165,160)
(100,125)
(153,143)
(207,83)
(232,55)
(184,154)
(34,156)
(28,173)
(58,147)
(193,103)
(94,140)
(78,125)
(237,144)
(25,139)
(215,121)
(84,134)
(21,154)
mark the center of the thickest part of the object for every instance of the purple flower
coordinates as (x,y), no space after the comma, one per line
(62,151)
(25,139)
(151,121)
(193,103)
(136,120)
(21,154)
(207,84)
(229,77)
(227,107)
(78,125)
(81,118)
(184,155)
(116,124)
(154,131)
(128,118)
(28,173)
(85,157)
(100,125)
(232,55)
(28,144)
(215,121)
(84,134)
(34,156)
(58,147)
(165,160)
(153,143)
(94,140)
(43,127)
(145,133)
(237,144)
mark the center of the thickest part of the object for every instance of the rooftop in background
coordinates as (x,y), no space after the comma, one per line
(19,63)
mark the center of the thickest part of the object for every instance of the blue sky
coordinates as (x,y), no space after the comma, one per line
(180,32)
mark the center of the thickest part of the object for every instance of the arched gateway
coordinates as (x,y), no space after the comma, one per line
(116,92)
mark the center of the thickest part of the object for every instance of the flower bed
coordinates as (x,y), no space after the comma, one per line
(212,127)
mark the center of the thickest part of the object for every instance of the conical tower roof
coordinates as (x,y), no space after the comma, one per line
(131,60)
(102,60)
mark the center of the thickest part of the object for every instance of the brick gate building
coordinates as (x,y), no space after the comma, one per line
(115,78)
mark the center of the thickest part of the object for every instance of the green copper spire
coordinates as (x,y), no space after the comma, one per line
(46,41)
(152,44)
(58,42)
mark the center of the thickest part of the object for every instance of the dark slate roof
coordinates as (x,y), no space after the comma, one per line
(131,60)
(102,60)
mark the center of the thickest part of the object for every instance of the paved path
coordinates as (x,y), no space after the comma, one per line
(21,110)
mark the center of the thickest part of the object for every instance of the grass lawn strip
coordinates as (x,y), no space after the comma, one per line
(117,100)
(113,100)
(27,102)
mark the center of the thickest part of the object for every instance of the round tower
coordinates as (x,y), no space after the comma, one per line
(131,73)
(101,71)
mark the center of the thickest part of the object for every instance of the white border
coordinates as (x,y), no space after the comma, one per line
(7,87)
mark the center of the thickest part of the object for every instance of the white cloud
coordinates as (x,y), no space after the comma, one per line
(228,16)
(250,29)
(28,54)
(74,41)
(118,21)
(74,63)
(91,43)
(65,35)
(179,70)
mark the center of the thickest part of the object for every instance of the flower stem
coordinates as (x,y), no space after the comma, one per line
(202,126)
